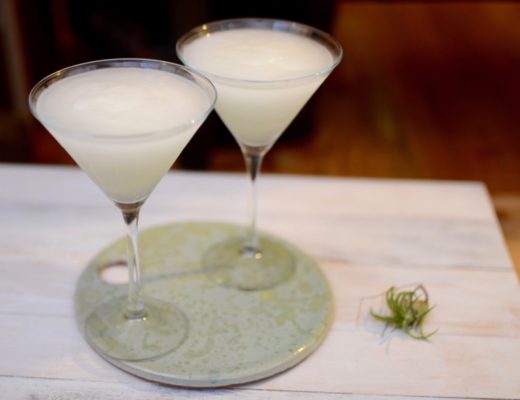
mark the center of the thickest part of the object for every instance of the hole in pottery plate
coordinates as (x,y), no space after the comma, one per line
(114,272)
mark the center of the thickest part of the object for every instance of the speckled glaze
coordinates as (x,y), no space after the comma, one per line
(234,336)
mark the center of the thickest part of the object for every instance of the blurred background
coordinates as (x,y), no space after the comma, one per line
(426,89)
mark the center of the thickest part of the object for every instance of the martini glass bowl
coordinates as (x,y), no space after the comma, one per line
(264,70)
(125,121)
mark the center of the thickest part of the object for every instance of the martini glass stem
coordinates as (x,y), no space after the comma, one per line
(135,308)
(253,163)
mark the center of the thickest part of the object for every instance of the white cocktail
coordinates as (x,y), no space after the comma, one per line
(125,121)
(264,71)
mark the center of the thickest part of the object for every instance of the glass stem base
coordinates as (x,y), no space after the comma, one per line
(234,264)
(158,330)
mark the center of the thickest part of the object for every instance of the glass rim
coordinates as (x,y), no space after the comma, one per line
(127,62)
(298,28)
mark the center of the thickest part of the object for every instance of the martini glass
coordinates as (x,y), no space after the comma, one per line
(265,71)
(125,121)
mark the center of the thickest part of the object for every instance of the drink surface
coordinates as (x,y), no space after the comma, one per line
(257,54)
(120,101)
(256,74)
(123,126)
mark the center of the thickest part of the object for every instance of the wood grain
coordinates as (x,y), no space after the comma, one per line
(366,235)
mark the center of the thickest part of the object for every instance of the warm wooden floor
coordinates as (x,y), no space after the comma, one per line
(424,91)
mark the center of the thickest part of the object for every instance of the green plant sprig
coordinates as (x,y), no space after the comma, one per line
(408,308)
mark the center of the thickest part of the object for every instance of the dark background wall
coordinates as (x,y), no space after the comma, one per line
(425,90)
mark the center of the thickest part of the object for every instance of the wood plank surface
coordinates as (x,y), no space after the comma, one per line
(366,235)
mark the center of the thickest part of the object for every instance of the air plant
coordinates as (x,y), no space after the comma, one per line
(407,310)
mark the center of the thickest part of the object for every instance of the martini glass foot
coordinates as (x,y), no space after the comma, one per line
(161,329)
(234,265)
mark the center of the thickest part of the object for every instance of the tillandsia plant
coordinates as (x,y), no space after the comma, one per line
(408,308)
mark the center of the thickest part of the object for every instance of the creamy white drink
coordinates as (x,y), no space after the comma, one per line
(104,118)
(289,66)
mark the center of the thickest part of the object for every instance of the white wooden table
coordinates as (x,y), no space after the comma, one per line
(366,234)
